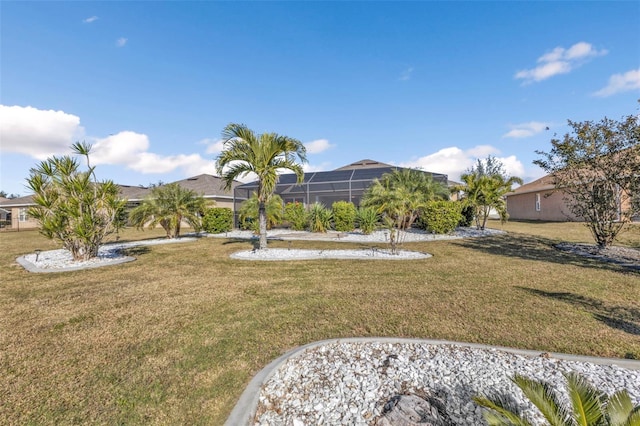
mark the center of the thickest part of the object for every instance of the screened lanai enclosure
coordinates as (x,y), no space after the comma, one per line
(347,183)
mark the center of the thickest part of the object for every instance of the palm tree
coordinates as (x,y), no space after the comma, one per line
(264,154)
(484,188)
(72,206)
(589,406)
(168,206)
(402,194)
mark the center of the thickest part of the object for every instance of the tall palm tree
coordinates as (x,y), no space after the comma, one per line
(264,154)
(588,406)
(168,206)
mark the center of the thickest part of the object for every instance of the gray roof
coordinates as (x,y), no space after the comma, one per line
(27,200)
(133,193)
(208,186)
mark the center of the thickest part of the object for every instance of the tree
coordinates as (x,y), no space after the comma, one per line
(588,406)
(72,206)
(264,154)
(3,194)
(168,206)
(597,169)
(484,187)
(400,196)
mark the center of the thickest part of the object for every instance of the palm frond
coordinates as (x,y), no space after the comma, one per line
(587,401)
(620,409)
(501,411)
(542,395)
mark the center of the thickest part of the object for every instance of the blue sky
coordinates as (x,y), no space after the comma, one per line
(421,84)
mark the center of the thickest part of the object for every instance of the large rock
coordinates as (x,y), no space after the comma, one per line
(413,410)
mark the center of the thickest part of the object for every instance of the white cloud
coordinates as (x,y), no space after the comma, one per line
(130,149)
(454,161)
(38,133)
(406,74)
(90,19)
(43,133)
(318,146)
(559,61)
(619,83)
(120,148)
(214,146)
(121,41)
(525,130)
(308,168)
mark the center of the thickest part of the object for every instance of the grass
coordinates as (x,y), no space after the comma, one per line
(174,337)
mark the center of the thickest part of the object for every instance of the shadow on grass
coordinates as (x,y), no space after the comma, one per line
(136,250)
(538,249)
(255,242)
(622,318)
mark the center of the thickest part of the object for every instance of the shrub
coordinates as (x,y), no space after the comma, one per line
(367,218)
(441,217)
(319,218)
(72,206)
(217,220)
(468,214)
(344,216)
(296,215)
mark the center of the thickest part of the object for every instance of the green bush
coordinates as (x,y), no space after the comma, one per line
(319,218)
(367,218)
(296,215)
(344,216)
(217,220)
(468,214)
(440,217)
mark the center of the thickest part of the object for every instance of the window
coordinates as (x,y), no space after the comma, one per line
(537,202)
(23,216)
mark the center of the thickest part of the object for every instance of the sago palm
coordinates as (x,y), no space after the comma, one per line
(264,155)
(588,406)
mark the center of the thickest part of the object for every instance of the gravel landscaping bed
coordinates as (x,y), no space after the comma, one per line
(350,383)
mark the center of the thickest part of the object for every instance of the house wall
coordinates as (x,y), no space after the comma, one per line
(17,224)
(552,207)
(224,203)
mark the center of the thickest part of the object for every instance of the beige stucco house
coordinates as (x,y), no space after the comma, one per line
(209,186)
(539,200)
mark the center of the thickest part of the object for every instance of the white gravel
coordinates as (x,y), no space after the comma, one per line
(349,383)
(108,254)
(412,235)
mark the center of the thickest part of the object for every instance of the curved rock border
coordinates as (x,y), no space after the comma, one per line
(32,267)
(245,409)
(270,254)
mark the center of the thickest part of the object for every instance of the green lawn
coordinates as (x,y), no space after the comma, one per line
(174,337)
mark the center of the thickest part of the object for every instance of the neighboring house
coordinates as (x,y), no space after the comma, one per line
(210,187)
(347,183)
(539,200)
(19,212)
(5,214)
